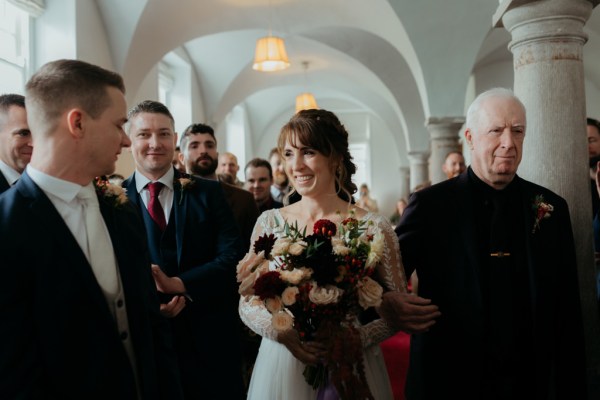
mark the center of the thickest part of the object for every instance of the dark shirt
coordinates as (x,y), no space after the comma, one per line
(269,205)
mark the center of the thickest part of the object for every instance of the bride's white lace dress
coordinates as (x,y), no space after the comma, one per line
(277,374)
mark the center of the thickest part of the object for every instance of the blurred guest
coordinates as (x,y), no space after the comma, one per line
(365,201)
(454,164)
(400,206)
(281,185)
(228,164)
(259,177)
(177,162)
(15,139)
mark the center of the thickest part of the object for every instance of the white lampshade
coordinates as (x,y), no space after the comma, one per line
(270,54)
(306,101)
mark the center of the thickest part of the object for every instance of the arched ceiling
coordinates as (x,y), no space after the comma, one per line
(399,60)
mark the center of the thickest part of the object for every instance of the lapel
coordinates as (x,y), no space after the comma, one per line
(131,191)
(180,206)
(60,237)
(468,232)
(527,198)
(4,186)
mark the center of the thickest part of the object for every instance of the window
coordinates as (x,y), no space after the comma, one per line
(360,157)
(14,48)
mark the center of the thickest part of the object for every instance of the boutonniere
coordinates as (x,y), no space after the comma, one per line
(542,211)
(115,195)
(184,182)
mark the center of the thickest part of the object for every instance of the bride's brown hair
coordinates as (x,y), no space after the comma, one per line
(323,131)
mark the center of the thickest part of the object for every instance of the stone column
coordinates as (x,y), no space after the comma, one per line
(404,182)
(418,168)
(547,46)
(444,134)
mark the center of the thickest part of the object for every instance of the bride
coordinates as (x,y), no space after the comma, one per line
(314,147)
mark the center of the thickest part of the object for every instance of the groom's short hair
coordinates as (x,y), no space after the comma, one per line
(63,84)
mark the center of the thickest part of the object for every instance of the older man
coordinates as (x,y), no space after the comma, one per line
(496,254)
(80,315)
(228,165)
(194,246)
(15,139)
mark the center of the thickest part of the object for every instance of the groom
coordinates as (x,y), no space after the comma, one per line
(496,254)
(78,323)
(195,246)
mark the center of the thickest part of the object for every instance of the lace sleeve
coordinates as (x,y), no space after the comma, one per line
(252,310)
(390,274)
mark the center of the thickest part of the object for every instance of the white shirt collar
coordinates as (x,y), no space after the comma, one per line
(64,190)
(9,173)
(141,180)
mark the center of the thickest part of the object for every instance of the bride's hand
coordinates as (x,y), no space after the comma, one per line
(310,353)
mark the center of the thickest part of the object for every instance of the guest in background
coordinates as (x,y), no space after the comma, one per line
(200,157)
(259,178)
(228,164)
(454,164)
(80,314)
(177,161)
(15,139)
(400,207)
(365,200)
(496,254)
(281,185)
(194,248)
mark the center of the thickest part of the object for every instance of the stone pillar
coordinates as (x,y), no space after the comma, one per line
(444,134)
(547,46)
(404,182)
(418,168)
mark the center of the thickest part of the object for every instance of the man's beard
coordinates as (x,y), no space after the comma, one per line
(280,179)
(197,169)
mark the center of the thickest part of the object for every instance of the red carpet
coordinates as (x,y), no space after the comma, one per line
(395,352)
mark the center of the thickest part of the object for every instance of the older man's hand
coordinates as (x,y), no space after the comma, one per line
(408,312)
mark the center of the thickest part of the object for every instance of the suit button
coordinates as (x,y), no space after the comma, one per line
(120,303)
(124,335)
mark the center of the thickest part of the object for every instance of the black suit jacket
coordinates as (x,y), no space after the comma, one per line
(208,249)
(58,339)
(438,239)
(245,211)
(4,185)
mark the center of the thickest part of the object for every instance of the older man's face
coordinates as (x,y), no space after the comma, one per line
(228,165)
(497,141)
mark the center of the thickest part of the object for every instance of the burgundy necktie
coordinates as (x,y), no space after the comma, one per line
(154,208)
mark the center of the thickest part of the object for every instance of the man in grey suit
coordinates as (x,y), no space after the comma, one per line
(15,139)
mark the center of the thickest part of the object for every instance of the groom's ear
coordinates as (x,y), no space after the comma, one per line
(75,122)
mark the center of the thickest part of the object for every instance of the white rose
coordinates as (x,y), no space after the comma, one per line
(274,304)
(247,265)
(294,276)
(369,293)
(324,295)
(297,248)
(281,246)
(289,295)
(282,321)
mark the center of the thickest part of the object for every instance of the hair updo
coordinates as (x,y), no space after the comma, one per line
(323,131)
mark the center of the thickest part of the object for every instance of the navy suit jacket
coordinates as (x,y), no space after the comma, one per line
(4,185)
(58,339)
(438,239)
(208,250)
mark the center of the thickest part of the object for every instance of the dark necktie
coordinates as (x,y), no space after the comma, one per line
(154,208)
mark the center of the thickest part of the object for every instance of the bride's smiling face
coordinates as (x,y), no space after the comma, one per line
(309,171)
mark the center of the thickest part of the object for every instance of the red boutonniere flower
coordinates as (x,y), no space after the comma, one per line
(113,194)
(184,182)
(542,211)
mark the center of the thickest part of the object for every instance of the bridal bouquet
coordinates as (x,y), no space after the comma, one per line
(317,284)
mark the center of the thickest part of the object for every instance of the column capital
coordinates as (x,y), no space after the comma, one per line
(508,5)
(418,157)
(444,127)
